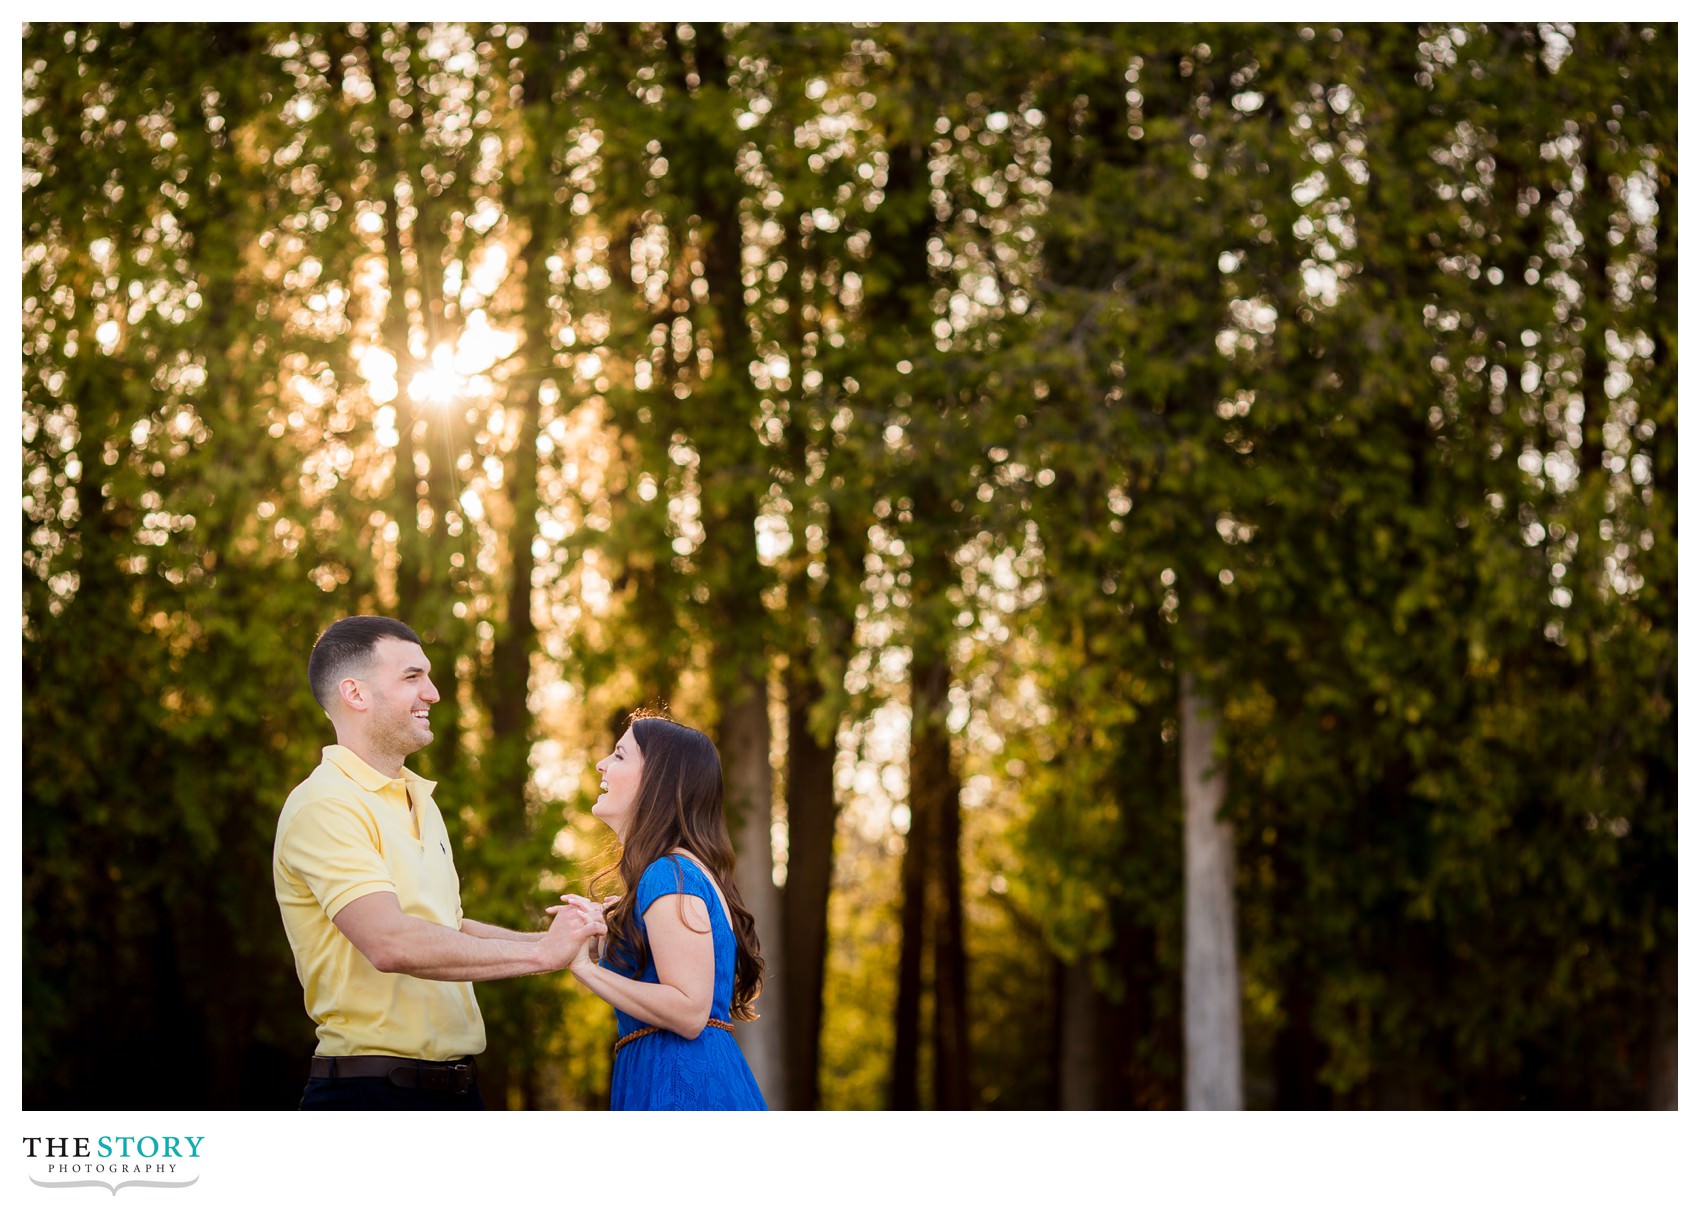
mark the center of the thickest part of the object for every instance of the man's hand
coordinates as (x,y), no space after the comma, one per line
(570,932)
(592,952)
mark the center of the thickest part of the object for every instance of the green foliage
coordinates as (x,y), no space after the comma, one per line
(1334,365)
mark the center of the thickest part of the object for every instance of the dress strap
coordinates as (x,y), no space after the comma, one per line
(643,1031)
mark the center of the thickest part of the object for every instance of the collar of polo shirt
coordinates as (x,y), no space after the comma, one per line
(358,769)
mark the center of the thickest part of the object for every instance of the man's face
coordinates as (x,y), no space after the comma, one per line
(398,686)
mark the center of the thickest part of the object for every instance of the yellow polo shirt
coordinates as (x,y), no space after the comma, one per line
(346,832)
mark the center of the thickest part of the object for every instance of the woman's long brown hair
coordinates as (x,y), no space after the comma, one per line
(680,806)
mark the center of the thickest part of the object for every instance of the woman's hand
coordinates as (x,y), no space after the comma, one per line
(570,933)
(592,949)
(595,909)
(589,955)
(591,907)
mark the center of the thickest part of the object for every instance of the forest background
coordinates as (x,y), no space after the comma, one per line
(1172,528)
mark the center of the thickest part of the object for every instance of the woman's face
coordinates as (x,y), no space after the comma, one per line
(621,772)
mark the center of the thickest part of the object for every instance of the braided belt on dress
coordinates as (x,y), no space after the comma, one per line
(643,1031)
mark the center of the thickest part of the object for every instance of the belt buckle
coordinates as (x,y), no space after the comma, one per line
(437,1078)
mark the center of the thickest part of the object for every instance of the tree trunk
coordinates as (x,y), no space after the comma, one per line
(734,483)
(1080,1060)
(396,328)
(812,817)
(1661,1093)
(906,1053)
(1212,989)
(746,740)
(935,794)
(932,863)
(506,765)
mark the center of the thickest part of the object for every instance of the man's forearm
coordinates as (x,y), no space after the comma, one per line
(415,947)
(397,942)
(486,930)
(432,952)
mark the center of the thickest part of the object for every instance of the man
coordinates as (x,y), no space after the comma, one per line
(370,898)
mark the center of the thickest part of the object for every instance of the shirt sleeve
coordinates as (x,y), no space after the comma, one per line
(666,877)
(334,849)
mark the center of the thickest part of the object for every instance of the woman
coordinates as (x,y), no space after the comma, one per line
(681,959)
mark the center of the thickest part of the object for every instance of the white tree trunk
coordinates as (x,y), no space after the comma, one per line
(747,737)
(1212,988)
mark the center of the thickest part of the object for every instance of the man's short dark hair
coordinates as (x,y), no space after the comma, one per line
(346,643)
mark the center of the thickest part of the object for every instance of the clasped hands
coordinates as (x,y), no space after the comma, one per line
(585,926)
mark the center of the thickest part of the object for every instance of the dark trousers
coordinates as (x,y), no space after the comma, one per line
(376,1094)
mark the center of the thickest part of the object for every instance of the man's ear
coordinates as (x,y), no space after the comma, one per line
(352,694)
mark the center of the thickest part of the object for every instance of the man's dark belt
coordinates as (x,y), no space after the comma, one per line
(443,1077)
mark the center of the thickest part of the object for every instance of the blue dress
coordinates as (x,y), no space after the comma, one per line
(664,1071)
